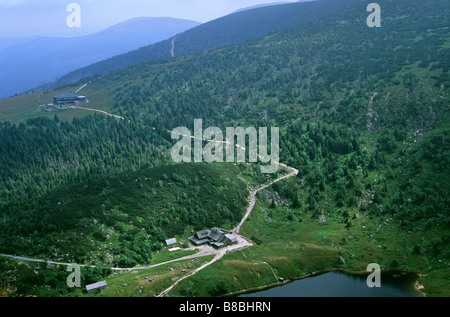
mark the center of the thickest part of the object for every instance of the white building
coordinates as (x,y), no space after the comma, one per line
(96,286)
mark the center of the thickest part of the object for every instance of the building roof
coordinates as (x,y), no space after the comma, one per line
(171,241)
(203,234)
(68,98)
(67,95)
(93,287)
(199,241)
(231,237)
(215,234)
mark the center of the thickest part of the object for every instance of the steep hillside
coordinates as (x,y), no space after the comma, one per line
(289,79)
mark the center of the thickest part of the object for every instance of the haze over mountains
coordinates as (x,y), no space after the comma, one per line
(228,30)
(29,62)
(267,5)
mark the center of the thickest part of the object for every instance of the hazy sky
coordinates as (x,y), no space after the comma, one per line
(48,17)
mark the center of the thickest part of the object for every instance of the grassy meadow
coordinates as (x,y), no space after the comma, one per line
(291,250)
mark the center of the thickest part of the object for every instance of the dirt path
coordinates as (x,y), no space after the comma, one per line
(41,261)
(81,88)
(99,111)
(172,50)
(252,198)
(166,291)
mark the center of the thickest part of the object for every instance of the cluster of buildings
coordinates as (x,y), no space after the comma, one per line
(215,237)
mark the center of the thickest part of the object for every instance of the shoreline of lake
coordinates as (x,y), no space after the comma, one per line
(417,286)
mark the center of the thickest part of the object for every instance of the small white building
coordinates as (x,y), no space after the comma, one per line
(96,286)
(171,241)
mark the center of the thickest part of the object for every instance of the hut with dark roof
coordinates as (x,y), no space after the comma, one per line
(215,237)
(68,99)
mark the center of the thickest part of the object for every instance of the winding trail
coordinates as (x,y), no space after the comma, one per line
(99,111)
(172,50)
(41,261)
(252,198)
(81,88)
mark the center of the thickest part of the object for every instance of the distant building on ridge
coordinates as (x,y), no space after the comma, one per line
(68,99)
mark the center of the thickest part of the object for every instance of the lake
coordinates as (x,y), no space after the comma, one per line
(343,284)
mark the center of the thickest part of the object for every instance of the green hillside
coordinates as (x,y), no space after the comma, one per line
(231,29)
(127,215)
(364,117)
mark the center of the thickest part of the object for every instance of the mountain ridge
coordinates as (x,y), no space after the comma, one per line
(54,56)
(230,29)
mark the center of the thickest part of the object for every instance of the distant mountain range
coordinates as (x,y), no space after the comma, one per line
(267,5)
(6,42)
(231,29)
(26,63)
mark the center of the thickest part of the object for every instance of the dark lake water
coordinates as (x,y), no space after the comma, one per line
(343,284)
